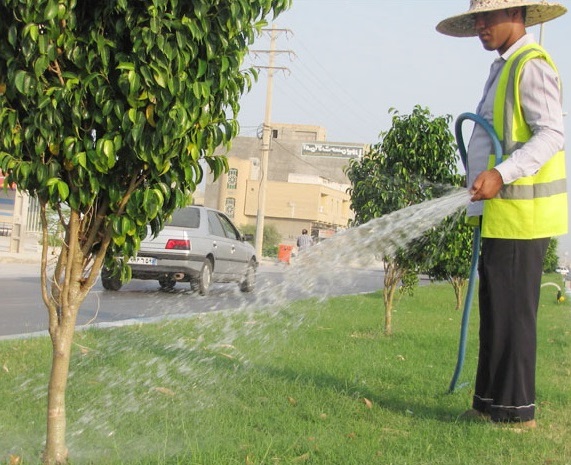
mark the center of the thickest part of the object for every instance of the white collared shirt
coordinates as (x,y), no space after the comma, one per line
(541,102)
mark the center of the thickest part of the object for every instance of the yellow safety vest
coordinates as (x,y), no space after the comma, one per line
(534,206)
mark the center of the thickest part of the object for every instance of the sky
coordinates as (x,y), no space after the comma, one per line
(348,62)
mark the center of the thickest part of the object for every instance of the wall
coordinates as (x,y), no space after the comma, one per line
(306,186)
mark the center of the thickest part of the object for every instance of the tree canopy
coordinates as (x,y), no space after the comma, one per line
(113,103)
(107,107)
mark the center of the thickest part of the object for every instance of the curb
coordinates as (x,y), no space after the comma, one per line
(7,257)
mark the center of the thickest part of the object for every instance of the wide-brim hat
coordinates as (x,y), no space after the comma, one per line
(463,25)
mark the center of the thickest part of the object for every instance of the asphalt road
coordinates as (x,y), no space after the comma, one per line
(23,312)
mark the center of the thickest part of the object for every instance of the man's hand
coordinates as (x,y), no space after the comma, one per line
(486,185)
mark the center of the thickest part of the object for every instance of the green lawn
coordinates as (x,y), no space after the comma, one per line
(314,383)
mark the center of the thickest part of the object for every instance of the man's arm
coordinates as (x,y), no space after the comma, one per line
(541,102)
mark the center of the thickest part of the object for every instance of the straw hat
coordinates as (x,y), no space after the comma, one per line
(463,25)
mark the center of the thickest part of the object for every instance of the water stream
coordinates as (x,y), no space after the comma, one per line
(186,363)
(366,244)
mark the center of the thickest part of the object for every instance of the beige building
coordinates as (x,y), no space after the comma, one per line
(306,186)
(19,220)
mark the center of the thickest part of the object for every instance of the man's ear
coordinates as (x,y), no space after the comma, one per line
(516,14)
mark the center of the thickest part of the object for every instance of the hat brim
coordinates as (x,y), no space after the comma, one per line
(463,25)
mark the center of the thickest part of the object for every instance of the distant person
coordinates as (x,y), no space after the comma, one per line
(520,203)
(304,241)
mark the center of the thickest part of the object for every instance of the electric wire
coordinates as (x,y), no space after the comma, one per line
(333,100)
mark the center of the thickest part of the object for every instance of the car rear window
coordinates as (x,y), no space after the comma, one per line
(186,218)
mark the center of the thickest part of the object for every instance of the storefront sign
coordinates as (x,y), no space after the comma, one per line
(327,150)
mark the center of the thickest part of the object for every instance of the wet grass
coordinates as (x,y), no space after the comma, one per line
(313,383)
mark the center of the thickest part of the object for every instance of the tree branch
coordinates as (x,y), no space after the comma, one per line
(55,68)
(49,303)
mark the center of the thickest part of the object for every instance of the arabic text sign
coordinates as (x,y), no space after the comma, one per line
(327,150)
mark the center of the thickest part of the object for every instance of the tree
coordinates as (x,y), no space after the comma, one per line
(414,161)
(551,260)
(107,107)
(447,252)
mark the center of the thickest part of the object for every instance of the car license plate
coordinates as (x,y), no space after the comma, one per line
(143,260)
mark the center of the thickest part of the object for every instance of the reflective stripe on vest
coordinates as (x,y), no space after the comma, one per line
(533,206)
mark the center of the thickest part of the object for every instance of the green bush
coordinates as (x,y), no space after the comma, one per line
(551,260)
(270,251)
(272,238)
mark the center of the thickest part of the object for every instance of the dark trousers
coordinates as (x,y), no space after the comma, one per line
(510,281)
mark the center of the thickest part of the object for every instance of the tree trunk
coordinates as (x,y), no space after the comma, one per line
(56,450)
(458,284)
(63,295)
(388,295)
(392,277)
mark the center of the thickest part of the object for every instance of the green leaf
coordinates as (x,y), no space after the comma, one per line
(52,182)
(127,227)
(63,190)
(41,65)
(165,169)
(160,79)
(129,66)
(23,82)
(225,64)
(109,152)
(52,10)
(202,67)
(31,30)
(81,159)
(13,35)
(132,113)
(134,82)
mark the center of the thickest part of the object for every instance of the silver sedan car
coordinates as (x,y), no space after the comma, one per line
(199,246)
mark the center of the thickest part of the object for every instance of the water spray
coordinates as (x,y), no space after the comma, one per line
(476,239)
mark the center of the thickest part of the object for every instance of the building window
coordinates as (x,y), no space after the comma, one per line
(230,206)
(232,178)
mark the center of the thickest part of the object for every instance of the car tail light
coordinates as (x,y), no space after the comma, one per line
(178,244)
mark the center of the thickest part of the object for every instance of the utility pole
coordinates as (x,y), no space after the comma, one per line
(266,135)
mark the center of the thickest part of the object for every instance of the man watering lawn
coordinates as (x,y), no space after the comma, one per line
(520,203)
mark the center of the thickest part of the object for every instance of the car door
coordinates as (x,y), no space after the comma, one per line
(231,248)
(222,246)
(241,254)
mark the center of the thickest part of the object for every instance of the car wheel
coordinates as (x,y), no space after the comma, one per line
(167,283)
(202,284)
(249,281)
(109,281)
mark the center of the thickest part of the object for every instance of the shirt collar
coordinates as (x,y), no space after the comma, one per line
(524,40)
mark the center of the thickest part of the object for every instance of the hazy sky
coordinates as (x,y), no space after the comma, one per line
(356,59)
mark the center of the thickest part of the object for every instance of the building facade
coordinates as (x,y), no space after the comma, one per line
(19,220)
(306,186)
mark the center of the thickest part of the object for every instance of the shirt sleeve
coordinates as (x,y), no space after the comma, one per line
(541,103)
